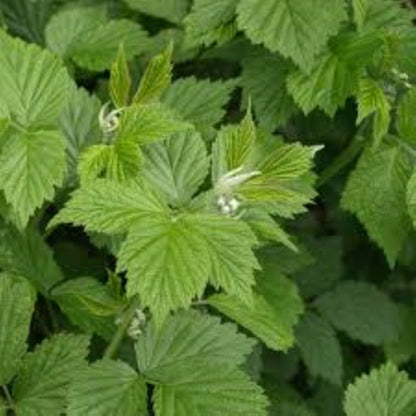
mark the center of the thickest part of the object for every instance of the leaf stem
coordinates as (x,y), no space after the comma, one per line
(9,398)
(121,330)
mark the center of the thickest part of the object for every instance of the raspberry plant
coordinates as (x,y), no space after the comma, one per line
(207,208)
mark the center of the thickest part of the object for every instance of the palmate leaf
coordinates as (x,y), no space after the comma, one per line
(273,314)
(91,40)
(192,361)
(107,388)
(199,101)
(172,10)
(177,167)
(17,301)
(264,81)
(298,30)
(320,348)
(108,207)
(384,391)
(27,254)
(42,383)
(381,207)
(362,311)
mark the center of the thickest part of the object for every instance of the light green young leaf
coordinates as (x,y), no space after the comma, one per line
(108,207)
(381,207)
(361,8)
(335,75)
(156,78)
(210,21)
(362,311)
(32,164)
(145,124)
(17,302)
(93,162)
(264,81)
(371,99)
(186,341)
(41,385)
(91,40)
(320,348)
(167,262)
(33,84)
(211,390)
(273,314)
(406,117)
(172,10)
(27,254)
(120,81)
(177,167)
(107,388)
(87,304)
(384,391)
(296,29)
(200,102)
(79,124)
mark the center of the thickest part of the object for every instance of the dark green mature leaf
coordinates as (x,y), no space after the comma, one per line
(186,341)
(27,254)
(172,10)
(406,117)
(177,167)
(41,385)
(320,348)
(17,301)
(384,391)
(362,311)
(264,81)
(107,388)
(199,101)
(298,30)
(381,207)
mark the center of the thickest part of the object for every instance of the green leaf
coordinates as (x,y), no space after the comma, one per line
(86,36)
(120,81)
(210,21)
(406,117)
(32,164)
(156,78)
(320,348)
(177,167)
(3,407)
(411,197)
(217,390)
(26,253)
(172,10)
(264,81)
(296,29)
(186,341)
(385,390)
(17,301)
(273,313)
(200,102)
(107,388)
(372,100)
(42,383)
(360,8)
(93,162)
(145,124)
(108,207)
(88,304)
(79,124)
(192,361)
(33,84)
(381,207)
(362,311)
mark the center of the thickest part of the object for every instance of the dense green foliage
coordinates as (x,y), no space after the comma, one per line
(207,208)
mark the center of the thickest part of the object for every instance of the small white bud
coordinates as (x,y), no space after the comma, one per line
(234,204)
(403,76)
(221,201)
(408,85)
(226,210)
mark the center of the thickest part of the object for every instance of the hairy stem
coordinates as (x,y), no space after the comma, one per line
(121,331)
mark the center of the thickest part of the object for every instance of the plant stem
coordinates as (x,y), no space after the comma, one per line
(9,399)
(124,324)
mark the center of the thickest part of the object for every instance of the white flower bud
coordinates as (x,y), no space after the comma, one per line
(234,204)
(221,201)
(226,210)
